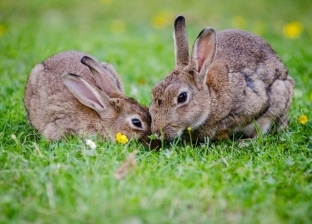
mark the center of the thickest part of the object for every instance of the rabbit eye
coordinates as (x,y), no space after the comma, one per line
(136,122)
(182,97)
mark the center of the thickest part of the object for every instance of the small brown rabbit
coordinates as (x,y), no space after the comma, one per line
(72,93)
(234,81)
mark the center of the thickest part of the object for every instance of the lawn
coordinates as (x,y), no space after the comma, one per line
(267,180)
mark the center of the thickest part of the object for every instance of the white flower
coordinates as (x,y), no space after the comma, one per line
(91,144)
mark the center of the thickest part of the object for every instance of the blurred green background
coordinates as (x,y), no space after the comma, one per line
(136,36)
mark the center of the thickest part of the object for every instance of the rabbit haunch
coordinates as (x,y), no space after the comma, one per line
(72,93)
(234,81)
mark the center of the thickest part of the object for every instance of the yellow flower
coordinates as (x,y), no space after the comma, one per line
(239,22)
(162,20)
(189,129)
(293,30)
(117,26)
(303,119)
(122,139)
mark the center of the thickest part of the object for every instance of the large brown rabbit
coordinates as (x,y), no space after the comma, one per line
(234,81)
(72,93)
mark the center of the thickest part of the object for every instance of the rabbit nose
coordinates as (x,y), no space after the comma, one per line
(155,130)
(155,127)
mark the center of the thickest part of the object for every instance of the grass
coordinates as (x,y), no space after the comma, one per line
(268,180)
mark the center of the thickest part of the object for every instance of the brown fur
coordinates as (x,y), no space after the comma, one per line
(234,82)
(56,111)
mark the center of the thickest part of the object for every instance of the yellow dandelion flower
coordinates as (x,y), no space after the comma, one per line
(122,139)
(293,30)
(162,20)
(117,26)
(189,129)
(303,119)
(239,22)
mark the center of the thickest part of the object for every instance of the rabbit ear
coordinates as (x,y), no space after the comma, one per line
(102,77)
(88,95)
(113,74)
(180,43)
(204,51)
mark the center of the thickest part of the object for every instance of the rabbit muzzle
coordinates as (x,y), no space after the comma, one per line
(167,132)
